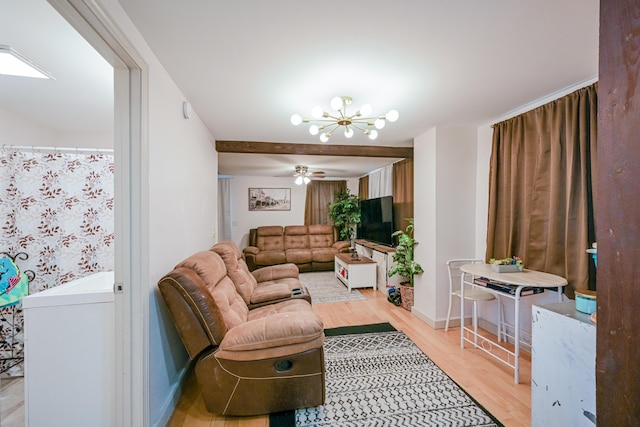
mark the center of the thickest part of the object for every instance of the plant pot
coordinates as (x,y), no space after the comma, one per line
(406,294)
(508,268)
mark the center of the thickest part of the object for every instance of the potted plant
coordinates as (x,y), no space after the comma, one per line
(345,213)
(405,265)
(506,265)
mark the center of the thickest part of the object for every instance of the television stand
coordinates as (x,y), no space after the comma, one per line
(383,257)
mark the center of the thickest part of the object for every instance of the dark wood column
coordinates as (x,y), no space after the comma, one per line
(618,216)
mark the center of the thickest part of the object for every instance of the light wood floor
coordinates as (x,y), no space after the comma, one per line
(485,379)
(12,402)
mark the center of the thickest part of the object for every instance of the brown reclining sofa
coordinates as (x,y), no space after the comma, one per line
(247,361)
(310,247)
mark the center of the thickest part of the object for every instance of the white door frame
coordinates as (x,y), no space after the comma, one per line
(88,17)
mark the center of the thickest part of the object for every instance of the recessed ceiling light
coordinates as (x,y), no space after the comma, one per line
(13,63)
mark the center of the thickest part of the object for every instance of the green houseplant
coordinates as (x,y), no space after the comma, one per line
(344,211)
(405,265)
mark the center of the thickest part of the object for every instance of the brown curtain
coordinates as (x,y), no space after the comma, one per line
(319,196)
(402,193)
(541,187)
(363,188)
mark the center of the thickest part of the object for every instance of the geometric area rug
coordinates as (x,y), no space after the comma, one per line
(384,379)
(324,287)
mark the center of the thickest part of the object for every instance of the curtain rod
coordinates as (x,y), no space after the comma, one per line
(58,149)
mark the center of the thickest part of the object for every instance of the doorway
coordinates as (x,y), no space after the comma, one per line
(131,250)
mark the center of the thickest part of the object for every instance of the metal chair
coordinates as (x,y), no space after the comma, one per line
(472,294)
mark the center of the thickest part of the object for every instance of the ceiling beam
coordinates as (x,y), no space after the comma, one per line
(312,149)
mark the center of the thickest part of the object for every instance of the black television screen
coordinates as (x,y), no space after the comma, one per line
(376,220)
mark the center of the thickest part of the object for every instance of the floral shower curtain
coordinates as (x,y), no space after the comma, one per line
(57,219)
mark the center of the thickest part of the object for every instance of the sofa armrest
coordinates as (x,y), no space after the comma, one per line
(250,253)
(341,246)
(275,272)
(251,250)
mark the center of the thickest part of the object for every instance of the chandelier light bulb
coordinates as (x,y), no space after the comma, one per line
(313,129)
(379,124)
(298,180)
(392,115)
(348,132)
(324,137)
(296,119)
(317,112)
(373,134)
(336,103)
(366,109)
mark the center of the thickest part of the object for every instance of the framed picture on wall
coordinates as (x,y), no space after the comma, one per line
(269,199)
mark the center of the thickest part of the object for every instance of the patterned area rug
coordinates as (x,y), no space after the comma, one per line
(324,287)
(384,379)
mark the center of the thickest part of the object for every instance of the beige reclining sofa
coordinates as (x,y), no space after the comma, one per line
(247,361)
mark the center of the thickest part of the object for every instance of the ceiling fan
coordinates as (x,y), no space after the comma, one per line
(304,176)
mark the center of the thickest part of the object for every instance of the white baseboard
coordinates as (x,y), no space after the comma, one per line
(454,322)
(426,319)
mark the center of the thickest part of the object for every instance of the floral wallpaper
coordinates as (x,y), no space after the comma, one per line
(57,208)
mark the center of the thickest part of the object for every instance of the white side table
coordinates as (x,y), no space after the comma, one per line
(355,273)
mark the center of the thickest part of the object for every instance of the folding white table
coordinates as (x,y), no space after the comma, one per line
(521,280)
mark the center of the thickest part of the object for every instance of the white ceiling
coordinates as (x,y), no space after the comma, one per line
(246,65)
(80,99)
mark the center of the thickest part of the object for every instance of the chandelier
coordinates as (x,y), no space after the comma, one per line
(328,123)
(302,174)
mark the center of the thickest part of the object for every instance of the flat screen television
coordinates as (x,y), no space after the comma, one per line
(376,220)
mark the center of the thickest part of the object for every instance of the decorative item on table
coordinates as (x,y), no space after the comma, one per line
(506,265)
(586,301)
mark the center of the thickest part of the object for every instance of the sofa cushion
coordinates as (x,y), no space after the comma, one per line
(237,269)
(279,335)
(275,272)
(284,324)
(298,256)
(212,271)
(270,238)
(320,236)
(323,254)
(296,237)
(271,257)
(273,292)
